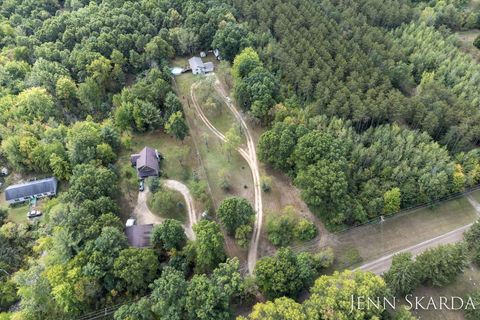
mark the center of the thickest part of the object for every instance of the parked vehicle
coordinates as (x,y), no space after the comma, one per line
(34,213)
(141,185)
(130,222)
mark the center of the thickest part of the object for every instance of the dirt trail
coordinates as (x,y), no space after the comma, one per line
(141,211)
(250,155)
(192,215)
(253,250)
(145,216)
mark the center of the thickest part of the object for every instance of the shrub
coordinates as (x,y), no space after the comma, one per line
(472,239)
(154,184)
(198,188)
(242,235)
(471,313)
(266,183)
(286,273)
(305,230)
(3,216)
(235,212)
(162,201)
(280,230)
(476,42)
(168,235)
(224,180)
(403,276)
(440,266)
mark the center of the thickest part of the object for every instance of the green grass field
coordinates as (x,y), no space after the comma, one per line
(18,214)
(402,231)
(465,284)
(214,159)
(476,195)
(178,213)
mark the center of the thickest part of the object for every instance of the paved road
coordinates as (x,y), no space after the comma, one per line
(382,264)
(250,156)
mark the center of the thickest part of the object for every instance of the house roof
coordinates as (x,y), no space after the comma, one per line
(31,188)
(208,66)
(138,235)
(146,162)
(196,62)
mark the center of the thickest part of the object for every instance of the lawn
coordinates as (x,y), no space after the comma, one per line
(177,210)
(216,163)
(476,195)
(402,231)
(18,214)
(465,284)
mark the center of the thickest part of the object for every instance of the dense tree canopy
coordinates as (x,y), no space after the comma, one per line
(287,273)
(390,83)
(369,106)
(235,212)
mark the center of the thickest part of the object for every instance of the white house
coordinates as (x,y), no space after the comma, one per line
(198,67)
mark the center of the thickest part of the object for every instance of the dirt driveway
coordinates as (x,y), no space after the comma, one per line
(144,216)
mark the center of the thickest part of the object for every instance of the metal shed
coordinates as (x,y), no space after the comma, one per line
(25,191)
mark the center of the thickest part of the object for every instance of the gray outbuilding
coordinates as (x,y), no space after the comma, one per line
(139,235)
(33,189)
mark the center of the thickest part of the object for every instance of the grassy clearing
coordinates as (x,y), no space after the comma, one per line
(399,232)
(476,195)
(466,43)
(465,284)
(216,165)
(210,148)
(18,214)
(178,213)
(178,164)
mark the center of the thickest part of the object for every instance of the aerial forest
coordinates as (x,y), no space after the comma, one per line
(369,94)
(368,106)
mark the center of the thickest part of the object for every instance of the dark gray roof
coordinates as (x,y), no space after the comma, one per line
(31,188)
(147,163)
(138,235)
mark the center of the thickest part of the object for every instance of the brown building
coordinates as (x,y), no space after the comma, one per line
(146,162)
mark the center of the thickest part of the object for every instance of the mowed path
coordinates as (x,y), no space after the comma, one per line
(250,155)
(381,265)
(145,216)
